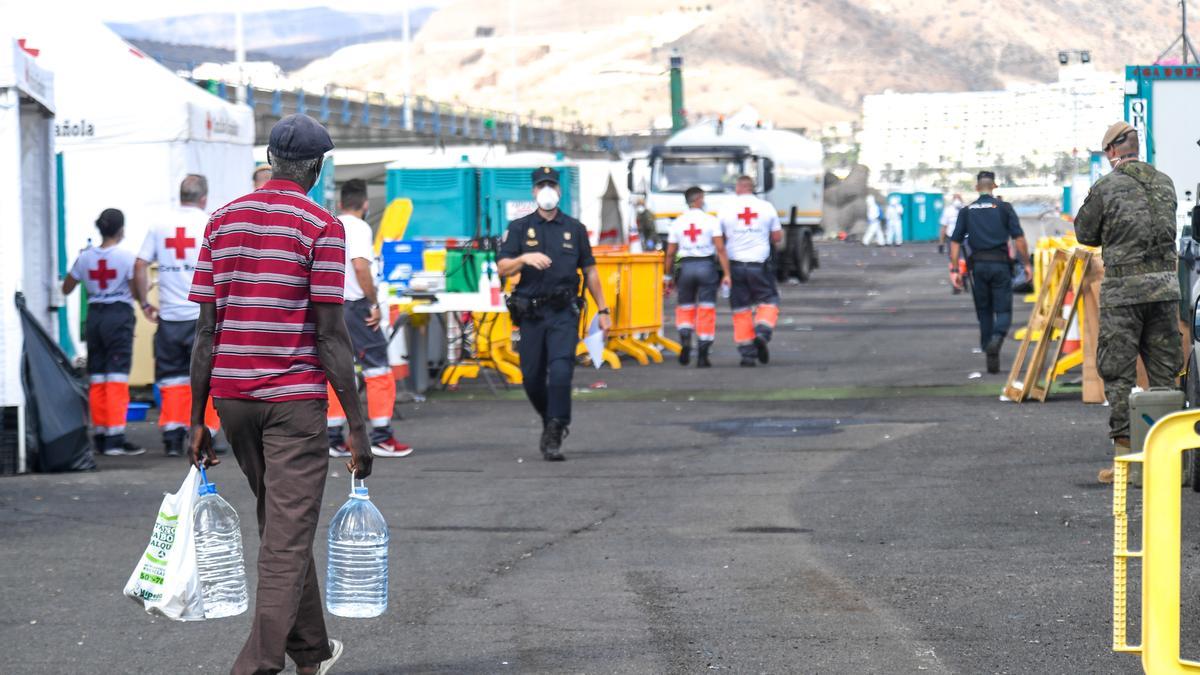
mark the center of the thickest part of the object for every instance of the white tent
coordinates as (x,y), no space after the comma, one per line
(26,216)
(130,130)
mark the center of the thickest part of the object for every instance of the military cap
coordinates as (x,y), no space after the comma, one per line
(986,175)
(299,136)
(1114,132)
(545,174)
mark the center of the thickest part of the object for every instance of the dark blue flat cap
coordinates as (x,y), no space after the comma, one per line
(545,174)
(299,137)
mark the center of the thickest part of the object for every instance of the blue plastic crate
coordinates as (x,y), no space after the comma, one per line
(137,412)
(400,260)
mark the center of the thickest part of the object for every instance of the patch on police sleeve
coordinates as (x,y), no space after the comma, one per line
(504,237)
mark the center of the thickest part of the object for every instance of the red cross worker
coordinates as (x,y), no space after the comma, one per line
(173,244)
(751,227)
(697,264)
(106,271)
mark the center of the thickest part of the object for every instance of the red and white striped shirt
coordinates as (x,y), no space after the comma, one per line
(266,258)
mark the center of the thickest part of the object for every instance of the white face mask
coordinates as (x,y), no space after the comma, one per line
(547,198)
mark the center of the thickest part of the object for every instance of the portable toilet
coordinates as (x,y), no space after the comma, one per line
(444,200)
(925,218)
(507,194)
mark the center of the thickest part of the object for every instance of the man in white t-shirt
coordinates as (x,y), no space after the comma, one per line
(366,333)
(173,243)
(751,227)
(700,244)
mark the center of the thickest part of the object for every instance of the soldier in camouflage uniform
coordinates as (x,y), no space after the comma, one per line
(1130,213)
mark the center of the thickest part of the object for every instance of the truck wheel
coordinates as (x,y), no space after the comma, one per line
(1192,392)
(802,258)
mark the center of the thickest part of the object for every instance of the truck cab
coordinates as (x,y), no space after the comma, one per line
(786,167)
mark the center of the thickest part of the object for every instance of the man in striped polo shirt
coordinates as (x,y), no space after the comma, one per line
(271,333)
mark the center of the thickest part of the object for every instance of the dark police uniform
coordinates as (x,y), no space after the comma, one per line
(550,329)
(986,225)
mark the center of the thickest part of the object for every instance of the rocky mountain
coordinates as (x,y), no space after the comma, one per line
(315,31)
(801,63)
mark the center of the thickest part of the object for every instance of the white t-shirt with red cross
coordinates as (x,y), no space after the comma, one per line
(748,223)
(174,242)
(693,232)
(106,274)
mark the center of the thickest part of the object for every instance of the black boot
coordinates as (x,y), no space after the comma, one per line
(760,344)
(702,360)
(685,348)
(173,442)
(552,437)
(992,350)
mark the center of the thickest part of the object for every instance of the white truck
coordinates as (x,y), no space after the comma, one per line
(788,168)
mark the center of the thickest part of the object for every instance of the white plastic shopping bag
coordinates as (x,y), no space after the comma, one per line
(166,581)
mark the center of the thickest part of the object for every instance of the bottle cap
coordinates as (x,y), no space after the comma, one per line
(358,491)
(206,488)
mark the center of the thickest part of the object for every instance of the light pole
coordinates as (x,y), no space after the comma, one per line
(406,33)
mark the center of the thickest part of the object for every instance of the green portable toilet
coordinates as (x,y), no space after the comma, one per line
(506,194)
(923,222)
(445,200)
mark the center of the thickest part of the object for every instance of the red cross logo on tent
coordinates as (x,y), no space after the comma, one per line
(747,216)
(208,124)
(102,275)
(692,232)
(180,242)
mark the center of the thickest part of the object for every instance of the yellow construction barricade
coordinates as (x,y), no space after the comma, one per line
(1049,271)
(633,286)
(1160,554)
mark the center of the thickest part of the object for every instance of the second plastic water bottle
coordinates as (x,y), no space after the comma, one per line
(219,554)
(356,581)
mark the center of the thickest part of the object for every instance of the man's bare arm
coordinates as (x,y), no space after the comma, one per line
(366,280)
(722,257)
(336,355)
(202,350)
(141,281)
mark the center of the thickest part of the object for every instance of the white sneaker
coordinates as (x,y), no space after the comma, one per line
(338,450)
(391,448)
(337,648)
(127,451)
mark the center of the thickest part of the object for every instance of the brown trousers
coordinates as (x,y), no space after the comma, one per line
(283,448)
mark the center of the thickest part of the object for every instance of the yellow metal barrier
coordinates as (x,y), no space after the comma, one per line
(633,287)
(1160,554)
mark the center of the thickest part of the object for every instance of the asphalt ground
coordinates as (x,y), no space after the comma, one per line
(863,504)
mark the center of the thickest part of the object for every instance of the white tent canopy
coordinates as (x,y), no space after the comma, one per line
(130,130)
(27,211)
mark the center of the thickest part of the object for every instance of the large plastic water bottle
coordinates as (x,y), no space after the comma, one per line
(356,580)
(218,537)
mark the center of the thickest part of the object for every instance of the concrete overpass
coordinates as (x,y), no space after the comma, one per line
(359,119)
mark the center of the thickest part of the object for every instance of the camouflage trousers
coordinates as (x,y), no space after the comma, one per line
(1150,330)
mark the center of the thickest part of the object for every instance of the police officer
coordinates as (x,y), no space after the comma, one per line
(986,225)
(698,239)
(547,248)
(1130,213)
